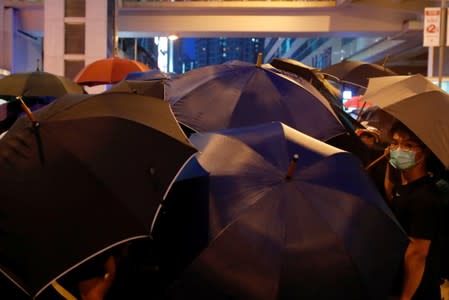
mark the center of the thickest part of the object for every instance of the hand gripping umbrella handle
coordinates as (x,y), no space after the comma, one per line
(292,167)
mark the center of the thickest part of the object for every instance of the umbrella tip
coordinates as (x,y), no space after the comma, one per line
(292,166)
(259,59)
(386,58)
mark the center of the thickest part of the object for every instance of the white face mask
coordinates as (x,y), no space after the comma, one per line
(402,160)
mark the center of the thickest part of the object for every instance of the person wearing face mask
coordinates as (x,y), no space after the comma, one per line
(415,201)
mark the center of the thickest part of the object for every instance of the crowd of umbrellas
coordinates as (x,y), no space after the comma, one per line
(247,178)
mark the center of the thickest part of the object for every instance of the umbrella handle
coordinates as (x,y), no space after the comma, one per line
(292,167)
(259,59)
(359,115)
(374,162)
(27,110)
(62,291)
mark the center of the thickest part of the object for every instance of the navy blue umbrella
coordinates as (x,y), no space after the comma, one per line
(153,74)
(267,227)
(237,94)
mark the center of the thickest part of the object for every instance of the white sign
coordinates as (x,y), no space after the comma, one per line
(431,28)
(162,53)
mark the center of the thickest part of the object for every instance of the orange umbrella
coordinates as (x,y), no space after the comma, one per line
(108,71)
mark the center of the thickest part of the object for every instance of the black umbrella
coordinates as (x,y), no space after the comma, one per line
(38,84)
(261,227)
(357,72)
(153,88)
(87,174)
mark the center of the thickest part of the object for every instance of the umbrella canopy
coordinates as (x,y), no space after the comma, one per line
(357,72)
(238,94)
(311,74)
(276,229)
(419,104)
(154,74)
(153,88)
(87,175)
(330,92)
(108,71)
(349,142)
(38,84)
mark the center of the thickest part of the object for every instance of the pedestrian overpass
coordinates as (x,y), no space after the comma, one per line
(398,23)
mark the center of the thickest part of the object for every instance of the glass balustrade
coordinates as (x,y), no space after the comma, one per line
(143,1)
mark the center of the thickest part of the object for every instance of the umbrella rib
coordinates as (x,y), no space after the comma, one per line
(324,102)
(240,91)
(317,211)
(313,166)
(153,222)
(236,219)
(15,282)
(88,258)
(203,82)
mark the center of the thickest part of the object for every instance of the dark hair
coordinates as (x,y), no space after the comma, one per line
(399,127)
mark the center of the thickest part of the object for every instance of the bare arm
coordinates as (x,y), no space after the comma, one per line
(388,184)
(414,264)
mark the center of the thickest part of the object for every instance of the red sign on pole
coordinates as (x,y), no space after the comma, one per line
(432,16)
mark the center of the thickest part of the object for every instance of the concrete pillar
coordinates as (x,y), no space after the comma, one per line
(8,39)
(99,33)
(54,37)
(96,30)
(98,36)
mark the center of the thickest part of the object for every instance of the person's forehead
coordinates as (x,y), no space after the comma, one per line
(403,137)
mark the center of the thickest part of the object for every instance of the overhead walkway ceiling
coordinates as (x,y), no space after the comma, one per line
(399,22)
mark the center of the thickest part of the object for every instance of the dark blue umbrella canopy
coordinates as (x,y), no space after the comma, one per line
(153,74)
(325,233)
(237,94)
